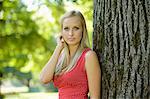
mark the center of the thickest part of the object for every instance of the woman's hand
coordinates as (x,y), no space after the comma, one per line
(60,42)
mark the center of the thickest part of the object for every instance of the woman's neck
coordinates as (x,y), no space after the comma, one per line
(72,50)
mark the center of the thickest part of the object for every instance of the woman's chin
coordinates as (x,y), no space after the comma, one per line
(72,43)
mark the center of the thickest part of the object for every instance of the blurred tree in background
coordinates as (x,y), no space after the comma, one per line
(27,33)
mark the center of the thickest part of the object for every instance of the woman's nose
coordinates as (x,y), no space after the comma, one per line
(71,32)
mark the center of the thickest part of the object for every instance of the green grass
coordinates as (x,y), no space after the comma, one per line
(40,95)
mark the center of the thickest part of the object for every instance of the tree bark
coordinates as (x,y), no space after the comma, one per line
(121,39)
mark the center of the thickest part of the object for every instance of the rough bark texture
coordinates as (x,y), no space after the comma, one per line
(121,40)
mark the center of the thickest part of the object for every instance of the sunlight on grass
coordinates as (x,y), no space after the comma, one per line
(33,96)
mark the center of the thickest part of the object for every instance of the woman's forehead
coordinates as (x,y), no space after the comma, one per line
(72,20)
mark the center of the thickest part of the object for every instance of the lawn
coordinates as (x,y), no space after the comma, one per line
(40,95)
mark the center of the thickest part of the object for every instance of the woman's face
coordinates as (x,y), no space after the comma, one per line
(72,30)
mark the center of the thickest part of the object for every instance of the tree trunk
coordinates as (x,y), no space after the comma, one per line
(121,40)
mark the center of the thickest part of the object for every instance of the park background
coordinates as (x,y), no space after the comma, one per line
(120,37)
(28,29)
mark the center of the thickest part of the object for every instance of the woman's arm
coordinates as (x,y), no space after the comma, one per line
(47,72)
(94,74)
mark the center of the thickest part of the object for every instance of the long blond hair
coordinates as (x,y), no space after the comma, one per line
(64,63)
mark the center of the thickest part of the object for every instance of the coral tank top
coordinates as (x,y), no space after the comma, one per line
(74,83)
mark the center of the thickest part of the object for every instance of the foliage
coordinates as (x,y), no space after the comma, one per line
(27,34)
(20,40)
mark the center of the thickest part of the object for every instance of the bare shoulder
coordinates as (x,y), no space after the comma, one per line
(90,55)
(91,59)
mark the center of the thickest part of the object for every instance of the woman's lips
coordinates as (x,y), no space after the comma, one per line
(71,39)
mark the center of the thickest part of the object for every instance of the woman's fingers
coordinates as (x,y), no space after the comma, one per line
(60,41)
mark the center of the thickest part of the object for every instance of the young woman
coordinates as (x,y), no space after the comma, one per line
(73,67)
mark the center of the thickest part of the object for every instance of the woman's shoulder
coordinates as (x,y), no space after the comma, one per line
(90,55)
(91,61)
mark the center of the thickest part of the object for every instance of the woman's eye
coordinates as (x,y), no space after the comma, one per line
(66,28)
(76,28)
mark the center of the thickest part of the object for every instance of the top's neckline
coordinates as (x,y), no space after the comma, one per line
(86,49)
